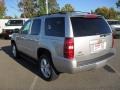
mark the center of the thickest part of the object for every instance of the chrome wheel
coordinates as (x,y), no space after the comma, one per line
(14,50)
(45,68)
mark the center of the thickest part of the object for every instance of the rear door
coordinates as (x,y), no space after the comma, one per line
(54,34)
(92,37)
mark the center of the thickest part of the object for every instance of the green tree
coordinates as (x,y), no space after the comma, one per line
(41,7)
(108,13)
(27,8)
(104,11)
(67,8)
(118,4)
(2,10)
(8,17)
(31,8)
(53,6)
(112,13)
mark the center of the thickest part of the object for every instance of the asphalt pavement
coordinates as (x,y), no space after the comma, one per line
(22,74)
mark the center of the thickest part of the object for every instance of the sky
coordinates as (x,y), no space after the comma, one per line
(79,5)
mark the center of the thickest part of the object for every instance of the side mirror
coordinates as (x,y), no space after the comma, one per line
(16,30)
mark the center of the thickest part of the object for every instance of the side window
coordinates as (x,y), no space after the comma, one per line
(36,26)
(26,27)
(55,26)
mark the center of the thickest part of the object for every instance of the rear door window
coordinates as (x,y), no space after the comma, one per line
(89,26)
(55,26)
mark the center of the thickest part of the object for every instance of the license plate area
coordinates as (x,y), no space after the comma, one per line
(97,45)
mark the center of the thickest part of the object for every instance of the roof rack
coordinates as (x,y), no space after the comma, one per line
(64,12)
(81,12)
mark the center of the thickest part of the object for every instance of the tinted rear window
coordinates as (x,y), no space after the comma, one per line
(55,27)
(89,26)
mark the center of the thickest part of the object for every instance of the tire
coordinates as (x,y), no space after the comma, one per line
(46,69)
(15,51)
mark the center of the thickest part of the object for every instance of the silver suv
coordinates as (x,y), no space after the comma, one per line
(65,43)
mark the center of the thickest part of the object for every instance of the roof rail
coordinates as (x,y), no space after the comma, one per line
(81,12)
(64,12)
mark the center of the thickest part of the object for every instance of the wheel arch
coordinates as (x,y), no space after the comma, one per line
(42,51)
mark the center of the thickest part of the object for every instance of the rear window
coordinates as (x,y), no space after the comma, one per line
(89,26)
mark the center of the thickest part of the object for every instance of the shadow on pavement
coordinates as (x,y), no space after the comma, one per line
(33,67)
(109,69)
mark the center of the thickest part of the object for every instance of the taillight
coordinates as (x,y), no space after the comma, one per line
(112,41)
(69,48)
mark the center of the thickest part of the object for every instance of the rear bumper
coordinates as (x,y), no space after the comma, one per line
(73,66)
(93,65)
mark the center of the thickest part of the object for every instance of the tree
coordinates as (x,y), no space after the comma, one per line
(8,17)
(31,8)
(104,11)
(2,9)
(53,6)
(67,8)
(108,13)
(27,8)
(41,7)
(112,13)
(118,4)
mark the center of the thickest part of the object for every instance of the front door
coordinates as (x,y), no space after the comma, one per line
(33,38)
(22,44)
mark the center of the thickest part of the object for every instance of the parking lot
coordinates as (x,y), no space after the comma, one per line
(22,74)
